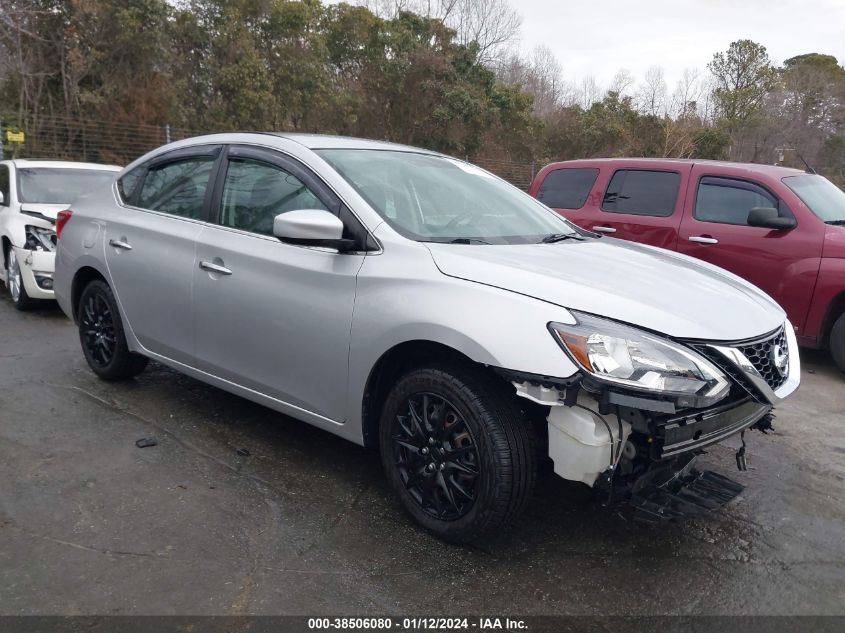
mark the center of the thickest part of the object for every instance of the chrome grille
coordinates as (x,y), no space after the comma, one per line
(761,354)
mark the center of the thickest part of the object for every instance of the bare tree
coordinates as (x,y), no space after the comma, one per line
(540,75)
(590,92)
(684,102)
(621,82)
(492,24)
(651,97)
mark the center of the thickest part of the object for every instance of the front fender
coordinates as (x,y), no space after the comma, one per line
(15,228)
(403,299)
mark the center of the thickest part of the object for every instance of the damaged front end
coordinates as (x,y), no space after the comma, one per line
(640,446)
(37,258)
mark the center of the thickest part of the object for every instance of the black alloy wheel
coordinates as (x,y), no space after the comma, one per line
(457,449)
(102,337)
(436,456)
(96,326)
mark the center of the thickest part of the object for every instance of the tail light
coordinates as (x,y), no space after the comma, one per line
(61,219)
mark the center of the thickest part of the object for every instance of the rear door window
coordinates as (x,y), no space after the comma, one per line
(729,200)
(177,187)
(642,192)
(567,188)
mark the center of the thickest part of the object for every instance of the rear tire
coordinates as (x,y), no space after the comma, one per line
(837,342)
(101,335)
(14,282)
(457,450)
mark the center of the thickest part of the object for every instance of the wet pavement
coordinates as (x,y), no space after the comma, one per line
(302,522)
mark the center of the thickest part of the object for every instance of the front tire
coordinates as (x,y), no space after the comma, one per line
(14,282)
(457,450)
(102,337)
(837,342)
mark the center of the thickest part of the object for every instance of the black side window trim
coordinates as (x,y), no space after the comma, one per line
(647,215)
(748,185)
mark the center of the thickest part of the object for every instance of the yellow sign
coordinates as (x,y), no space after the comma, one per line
(15,137)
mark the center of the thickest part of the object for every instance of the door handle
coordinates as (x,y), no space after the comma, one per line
(703,239)
(120,244)
(604,229)
(215,268)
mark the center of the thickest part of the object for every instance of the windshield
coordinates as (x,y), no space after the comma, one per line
(824,198)
(51,185)
(437,199)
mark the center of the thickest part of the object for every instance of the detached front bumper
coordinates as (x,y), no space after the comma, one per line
(37,269)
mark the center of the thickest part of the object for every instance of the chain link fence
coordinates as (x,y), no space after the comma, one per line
(119,143)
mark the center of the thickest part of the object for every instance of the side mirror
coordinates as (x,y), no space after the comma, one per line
(768,218)
(311,227)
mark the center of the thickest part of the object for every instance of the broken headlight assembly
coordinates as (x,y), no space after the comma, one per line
(40,239)
(632,359)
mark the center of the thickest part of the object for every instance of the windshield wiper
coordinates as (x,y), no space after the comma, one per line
(559,237)
(466,240)
(836,222)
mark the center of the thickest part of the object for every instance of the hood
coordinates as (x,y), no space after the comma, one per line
(645,286)
(834,242)
(44,212)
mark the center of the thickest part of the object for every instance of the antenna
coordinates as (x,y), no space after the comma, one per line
(809,169)
(781,150)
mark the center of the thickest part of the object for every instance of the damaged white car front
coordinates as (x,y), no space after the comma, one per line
(32,193)
(643,406)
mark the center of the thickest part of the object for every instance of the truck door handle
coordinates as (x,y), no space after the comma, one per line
(703,239)
(215,268)
(604,229)
(120,244)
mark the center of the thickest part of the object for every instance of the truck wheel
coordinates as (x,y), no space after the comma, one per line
(457,451)
(837,342)
(101,335)
(14,282)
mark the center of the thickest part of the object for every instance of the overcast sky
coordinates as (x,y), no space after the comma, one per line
(599,38)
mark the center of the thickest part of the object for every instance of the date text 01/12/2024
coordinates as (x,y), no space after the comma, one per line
(418,624)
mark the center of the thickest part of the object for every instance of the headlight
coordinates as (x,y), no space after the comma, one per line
(629,357)
(39,239)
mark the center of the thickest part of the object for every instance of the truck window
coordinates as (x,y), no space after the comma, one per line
(728,200)
(567,188)
(642,192)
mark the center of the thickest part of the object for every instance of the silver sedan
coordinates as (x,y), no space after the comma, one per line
(409,301)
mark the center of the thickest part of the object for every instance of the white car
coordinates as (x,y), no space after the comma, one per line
(31,194)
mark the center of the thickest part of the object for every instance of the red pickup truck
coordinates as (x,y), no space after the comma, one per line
(781,229)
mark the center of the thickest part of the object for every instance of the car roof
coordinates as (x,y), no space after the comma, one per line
(328,141)
(62,164)
(311,141)
(776,171)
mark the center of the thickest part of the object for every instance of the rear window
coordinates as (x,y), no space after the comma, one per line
(642,192)
(567,188)
(59,185)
